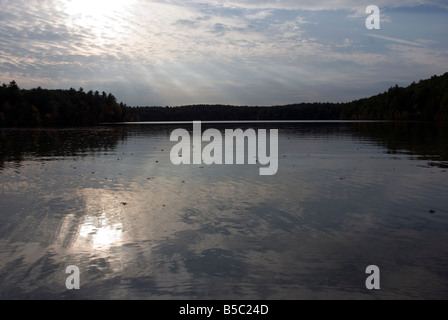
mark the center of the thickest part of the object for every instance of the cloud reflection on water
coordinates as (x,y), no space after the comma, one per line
(337,204)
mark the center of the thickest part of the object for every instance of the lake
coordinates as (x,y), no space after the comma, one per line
(109,200)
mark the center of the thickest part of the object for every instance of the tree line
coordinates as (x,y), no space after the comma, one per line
(426,100)
(43,107)
(303,111)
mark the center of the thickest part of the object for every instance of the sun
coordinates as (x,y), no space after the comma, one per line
(97,9)
(100,17)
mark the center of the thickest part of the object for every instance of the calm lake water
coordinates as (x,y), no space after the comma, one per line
(109,200)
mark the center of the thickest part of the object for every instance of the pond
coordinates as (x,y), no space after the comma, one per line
(110,201)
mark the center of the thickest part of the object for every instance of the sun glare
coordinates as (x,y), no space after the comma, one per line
(101,17)
(97,9)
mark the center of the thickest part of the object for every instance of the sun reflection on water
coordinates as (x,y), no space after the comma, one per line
(100,231)
(102,226)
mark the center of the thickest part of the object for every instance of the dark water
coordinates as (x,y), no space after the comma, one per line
(109,200)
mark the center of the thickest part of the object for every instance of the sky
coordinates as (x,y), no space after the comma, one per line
(238,52)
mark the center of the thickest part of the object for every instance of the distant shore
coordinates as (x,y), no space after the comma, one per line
(426,100)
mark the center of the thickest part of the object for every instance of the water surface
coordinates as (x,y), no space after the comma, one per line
(108,199)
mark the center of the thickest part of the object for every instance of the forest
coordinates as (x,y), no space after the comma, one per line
(43,107)
(426,100)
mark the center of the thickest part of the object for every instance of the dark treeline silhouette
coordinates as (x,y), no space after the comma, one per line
(43,107)
(304,111)
(426,100)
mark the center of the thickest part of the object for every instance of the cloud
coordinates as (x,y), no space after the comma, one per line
(240,52)
(397,40)
(259,15)
(349,5)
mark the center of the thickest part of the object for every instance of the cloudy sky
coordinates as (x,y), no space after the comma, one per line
(242,52)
